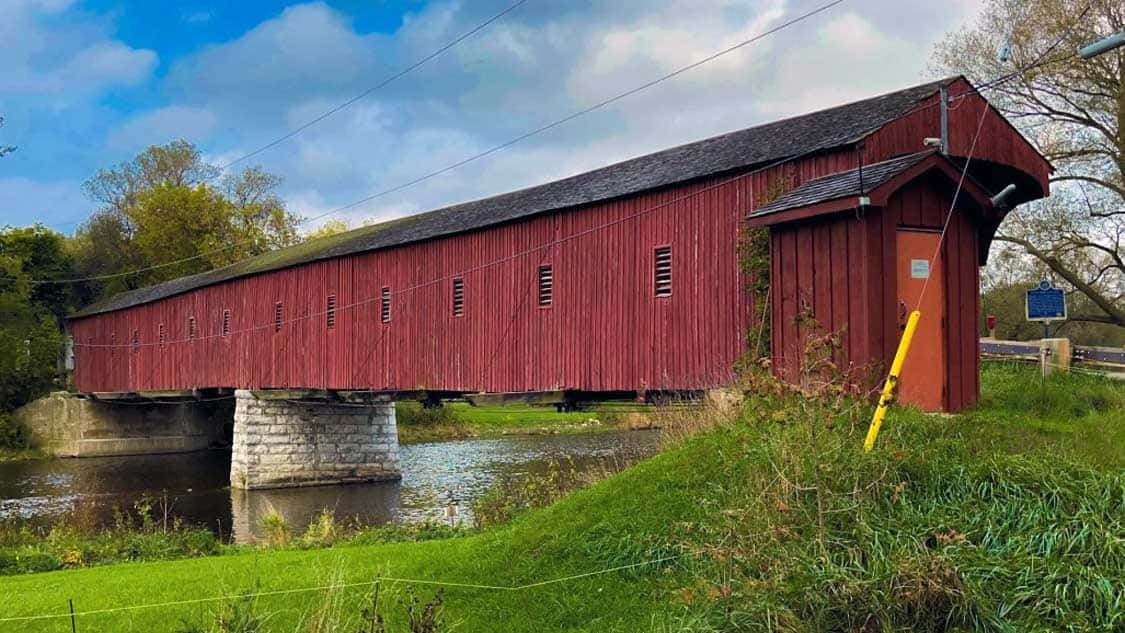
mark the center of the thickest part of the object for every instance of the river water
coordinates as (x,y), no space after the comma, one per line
(435,476)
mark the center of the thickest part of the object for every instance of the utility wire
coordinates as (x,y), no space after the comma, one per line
(324,115)
(372,89)
(533,249)
(479,267)
(1039,60)
(474,157)
(368,583)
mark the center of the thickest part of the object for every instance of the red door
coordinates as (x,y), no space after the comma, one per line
(922,381)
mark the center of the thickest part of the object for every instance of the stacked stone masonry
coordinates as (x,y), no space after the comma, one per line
(286,443)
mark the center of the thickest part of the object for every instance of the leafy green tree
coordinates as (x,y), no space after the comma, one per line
(160,216)
(331,227)
(31,341)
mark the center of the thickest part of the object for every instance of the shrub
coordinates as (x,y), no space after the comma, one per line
(13,434)
(275,528)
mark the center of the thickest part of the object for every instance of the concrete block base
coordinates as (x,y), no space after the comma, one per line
(64,425)
(281,443)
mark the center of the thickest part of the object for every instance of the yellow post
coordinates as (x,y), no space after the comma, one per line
(890,388)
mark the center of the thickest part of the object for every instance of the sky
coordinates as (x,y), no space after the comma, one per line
(86,85)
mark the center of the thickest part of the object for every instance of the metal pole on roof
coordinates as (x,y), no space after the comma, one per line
(1102,46)
(944,120)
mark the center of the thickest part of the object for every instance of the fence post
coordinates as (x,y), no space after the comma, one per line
(73,622)
(1054,355)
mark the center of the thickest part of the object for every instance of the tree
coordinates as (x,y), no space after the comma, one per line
(160,216)
(178,163)
(331,227)
(31,341)
(1073,111)
(5,149)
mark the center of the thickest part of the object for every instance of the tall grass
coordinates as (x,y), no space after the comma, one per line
(935,531)
(145,532)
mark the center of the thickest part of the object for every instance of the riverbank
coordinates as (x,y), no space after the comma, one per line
(460,420)
(1007,517)
(21,454)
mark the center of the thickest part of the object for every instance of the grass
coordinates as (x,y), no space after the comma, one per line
(21,454)
(1010,517)
(456,420)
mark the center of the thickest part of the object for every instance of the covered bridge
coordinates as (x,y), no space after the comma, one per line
(621,279)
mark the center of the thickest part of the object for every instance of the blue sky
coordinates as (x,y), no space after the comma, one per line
(86,85)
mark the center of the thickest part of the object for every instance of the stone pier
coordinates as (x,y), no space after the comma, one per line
(282,442)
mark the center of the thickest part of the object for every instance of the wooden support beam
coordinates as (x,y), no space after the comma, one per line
(543,398)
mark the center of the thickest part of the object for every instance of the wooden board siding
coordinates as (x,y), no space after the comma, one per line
(605,330)
(820,266)
(844,268)
(999,142)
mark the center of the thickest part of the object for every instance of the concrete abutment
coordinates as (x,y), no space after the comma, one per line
(281,442)
(65,425)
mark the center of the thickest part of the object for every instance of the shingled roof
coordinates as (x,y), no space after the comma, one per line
(845,184)
(800,135)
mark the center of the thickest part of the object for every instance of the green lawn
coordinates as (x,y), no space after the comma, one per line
(1010,517)
(460,419)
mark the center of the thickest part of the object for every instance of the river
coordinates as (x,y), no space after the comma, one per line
(435,476)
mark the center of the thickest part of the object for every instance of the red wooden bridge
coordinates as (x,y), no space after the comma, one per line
(623,279)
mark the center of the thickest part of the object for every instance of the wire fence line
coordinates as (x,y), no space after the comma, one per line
(366,583)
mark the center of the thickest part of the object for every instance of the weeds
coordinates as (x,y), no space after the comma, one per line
(513,496)
(275,528)
(334,612)
(323,531)
(932,532)
(141,533)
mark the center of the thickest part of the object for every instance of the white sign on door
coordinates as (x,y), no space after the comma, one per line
(919,269)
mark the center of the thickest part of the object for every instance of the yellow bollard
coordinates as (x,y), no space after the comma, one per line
(890,388)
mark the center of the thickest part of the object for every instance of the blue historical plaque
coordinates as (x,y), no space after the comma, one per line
(1046,303)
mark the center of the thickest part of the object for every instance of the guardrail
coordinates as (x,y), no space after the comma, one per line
(1105,360)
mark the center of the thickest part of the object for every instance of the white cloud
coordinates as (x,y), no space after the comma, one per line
(309,49)
(66,60)
(108,62)
(537,64)
(163,125)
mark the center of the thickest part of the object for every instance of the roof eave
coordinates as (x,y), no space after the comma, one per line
(878,196)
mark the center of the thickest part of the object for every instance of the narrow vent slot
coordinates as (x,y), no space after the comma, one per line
(546,285)
(191,328)
(136,341)
(385,305)
(277,316)
(160,335)
(330,312)
(226,323)
(663,277)
(113,345)
(458,297)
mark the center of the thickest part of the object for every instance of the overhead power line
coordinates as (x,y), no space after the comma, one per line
(327,113)
(1039,61)
(492,150)
(381,84)
(465,272)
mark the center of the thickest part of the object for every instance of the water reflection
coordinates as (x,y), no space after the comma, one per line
(435,476)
